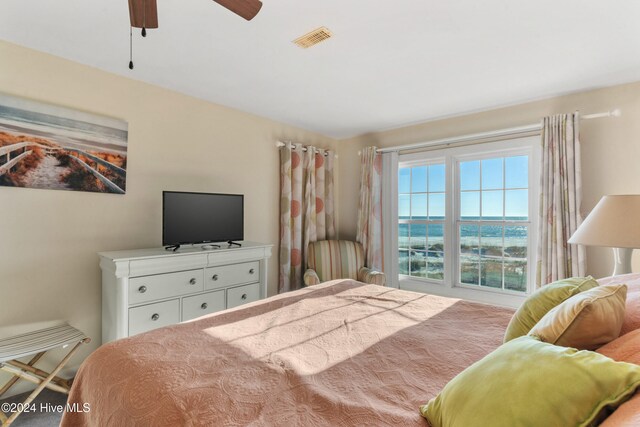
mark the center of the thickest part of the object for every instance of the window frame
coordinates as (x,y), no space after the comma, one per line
(532,214)
(452,157)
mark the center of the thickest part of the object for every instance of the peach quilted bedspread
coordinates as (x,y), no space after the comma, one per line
(626,349)
(341,354)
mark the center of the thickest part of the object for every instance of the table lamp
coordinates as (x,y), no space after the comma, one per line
(615,223)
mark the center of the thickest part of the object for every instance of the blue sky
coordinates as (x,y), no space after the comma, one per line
(501,187)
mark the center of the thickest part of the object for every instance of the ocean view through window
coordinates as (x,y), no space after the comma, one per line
(421,215)
(465,219)
(493,222)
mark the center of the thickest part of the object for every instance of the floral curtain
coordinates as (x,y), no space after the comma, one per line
(369,228)
(560,200)
(306,208)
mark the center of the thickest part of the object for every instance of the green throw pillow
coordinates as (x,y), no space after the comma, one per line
(543,300)
(526,382)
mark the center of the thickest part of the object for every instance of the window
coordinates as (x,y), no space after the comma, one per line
(421,215)
(465,218)
(493,222)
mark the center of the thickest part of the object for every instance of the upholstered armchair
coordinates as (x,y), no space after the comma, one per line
(338,259)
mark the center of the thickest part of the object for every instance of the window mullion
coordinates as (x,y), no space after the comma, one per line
(480,253)
(452,242)
(503,243)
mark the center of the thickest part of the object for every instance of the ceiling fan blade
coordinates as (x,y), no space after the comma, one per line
(247,9)
(143,13)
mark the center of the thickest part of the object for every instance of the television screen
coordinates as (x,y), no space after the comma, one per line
(201,217)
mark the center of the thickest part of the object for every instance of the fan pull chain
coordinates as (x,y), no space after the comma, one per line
(144,18)
(131,48)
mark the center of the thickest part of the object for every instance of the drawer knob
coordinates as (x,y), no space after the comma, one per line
(192,281)
(252,271)
(215,277)
(204,306)
(142,289)
(155,317)
(244,296)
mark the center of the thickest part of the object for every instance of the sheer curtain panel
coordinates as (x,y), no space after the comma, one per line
(369,226)
(560,200)
(306,208)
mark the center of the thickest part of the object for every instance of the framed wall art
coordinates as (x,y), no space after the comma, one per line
(52,147)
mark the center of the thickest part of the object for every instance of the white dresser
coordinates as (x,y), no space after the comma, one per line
(144,289)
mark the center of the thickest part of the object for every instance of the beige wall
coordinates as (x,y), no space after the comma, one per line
(49,239)
(610,150)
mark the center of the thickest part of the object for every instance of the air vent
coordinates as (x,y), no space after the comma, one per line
(314,37)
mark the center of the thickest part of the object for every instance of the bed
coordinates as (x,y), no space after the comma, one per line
(342,353)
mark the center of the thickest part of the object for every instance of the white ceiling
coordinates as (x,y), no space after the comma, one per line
(389,64)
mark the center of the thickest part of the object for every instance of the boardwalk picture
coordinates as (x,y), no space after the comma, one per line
(51,147)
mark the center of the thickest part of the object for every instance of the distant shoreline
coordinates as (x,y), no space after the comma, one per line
(78,143)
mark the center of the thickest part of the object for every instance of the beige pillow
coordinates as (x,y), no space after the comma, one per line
(542,301)
(585,321)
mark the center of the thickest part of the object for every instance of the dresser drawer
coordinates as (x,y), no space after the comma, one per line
(199,305)
(160,286)
(242,295)
(229,275)
(152,316)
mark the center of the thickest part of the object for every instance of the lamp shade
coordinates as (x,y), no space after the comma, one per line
(614,222)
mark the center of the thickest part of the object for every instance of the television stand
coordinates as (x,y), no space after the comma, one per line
(174,248)
(230,243)
(136,284)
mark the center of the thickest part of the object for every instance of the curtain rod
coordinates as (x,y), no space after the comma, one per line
(304,148)
(514,131)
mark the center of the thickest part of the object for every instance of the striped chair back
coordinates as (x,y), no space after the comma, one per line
(335,259)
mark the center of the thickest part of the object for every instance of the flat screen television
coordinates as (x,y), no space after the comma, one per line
(190,218)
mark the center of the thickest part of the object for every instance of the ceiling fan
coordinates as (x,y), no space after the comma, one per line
(144,13)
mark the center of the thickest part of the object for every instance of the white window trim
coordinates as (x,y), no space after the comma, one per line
(427,162)
(390,210)
(452,157)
